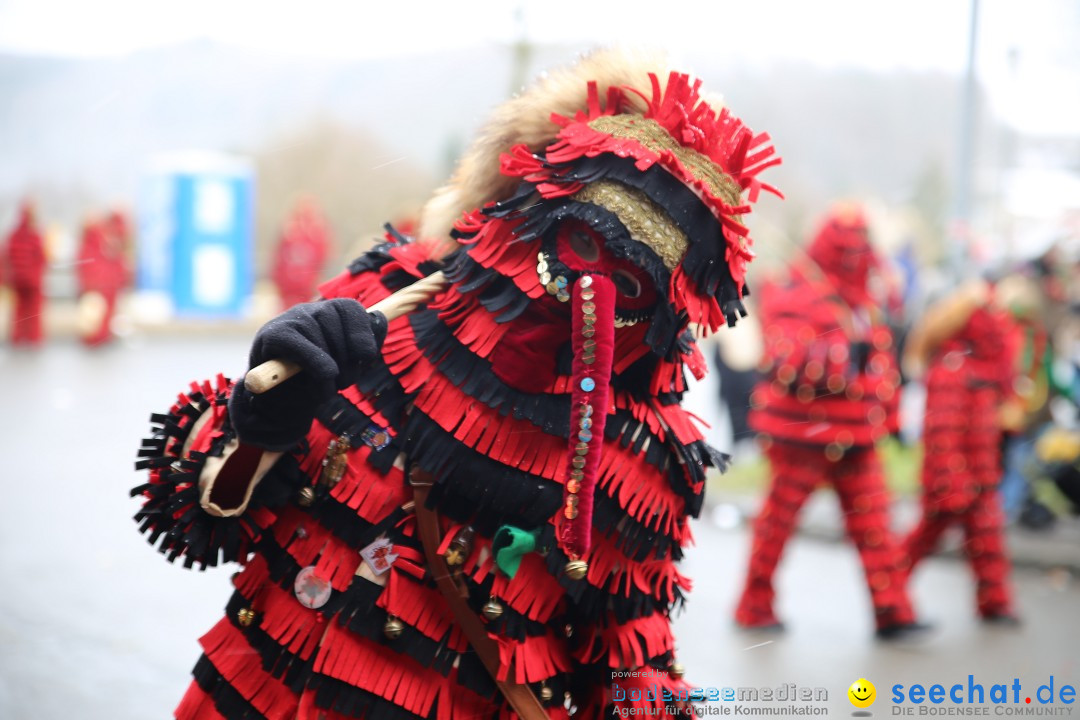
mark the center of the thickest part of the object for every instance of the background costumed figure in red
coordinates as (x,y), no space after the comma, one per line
(969,347)
(25,272)
(507,457)
(300,255)
(103,272)
(829,393)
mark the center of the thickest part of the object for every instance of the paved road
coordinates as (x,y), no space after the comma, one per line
(95,625)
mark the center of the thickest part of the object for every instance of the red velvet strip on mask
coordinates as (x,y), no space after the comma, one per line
(593,342)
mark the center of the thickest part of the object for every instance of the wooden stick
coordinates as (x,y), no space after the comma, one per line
(272,373)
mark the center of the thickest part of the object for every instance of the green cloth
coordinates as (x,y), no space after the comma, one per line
(510,545)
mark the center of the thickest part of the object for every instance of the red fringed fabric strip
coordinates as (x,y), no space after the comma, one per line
(372,495)
(630,346)
(197,705)
(641,491)
(296,628)
(612,571)
(367,287)
(422,608)
(533,592)
(364,404)
(409,257)
(495,246)
(472,324)
(678,420)
(241,666)
(457,704)
(338,563)
(535,658)
(626,645)
(377,669)
(400,354)
(515,443)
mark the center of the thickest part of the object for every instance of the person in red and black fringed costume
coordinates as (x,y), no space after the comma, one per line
(538,393)
(829,393)
(103,273)
(969,348)
(25,272)
(300,255)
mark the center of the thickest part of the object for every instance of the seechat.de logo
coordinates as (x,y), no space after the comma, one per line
(862,694)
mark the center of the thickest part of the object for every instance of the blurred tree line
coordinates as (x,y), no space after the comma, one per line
(370,139)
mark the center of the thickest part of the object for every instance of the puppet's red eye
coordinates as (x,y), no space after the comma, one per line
(626,283)
(584,246)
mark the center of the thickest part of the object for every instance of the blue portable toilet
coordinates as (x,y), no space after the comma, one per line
(196,231)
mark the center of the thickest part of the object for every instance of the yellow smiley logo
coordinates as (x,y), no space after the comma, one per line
(862,693)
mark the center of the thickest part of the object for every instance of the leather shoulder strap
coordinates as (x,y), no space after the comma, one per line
(520,697)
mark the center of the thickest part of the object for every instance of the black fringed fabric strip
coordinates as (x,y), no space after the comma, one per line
(471,487)
(630,536)
(498,294)
(227,700)
(341,697)
(373,259)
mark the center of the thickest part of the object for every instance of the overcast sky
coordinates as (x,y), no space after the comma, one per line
(1028,54)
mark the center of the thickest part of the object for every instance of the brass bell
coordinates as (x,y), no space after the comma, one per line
(393,627)
(245,616)
(576,569)
(676,670)
(492,610)
(306,498)
(460,547)
(546,693)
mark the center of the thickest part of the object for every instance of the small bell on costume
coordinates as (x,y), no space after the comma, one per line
(576,569)
(492,610)
(393,627)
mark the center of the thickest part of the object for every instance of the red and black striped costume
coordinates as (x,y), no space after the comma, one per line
(478,387)
(830,392)
(103,269)
(25,272)
(968,377)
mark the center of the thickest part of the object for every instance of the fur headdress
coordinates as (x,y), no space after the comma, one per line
(526,120)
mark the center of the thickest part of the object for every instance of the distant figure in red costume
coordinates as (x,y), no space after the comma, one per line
(25,271)
(103,273)
(300,255)
(829,392)
(968,344)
